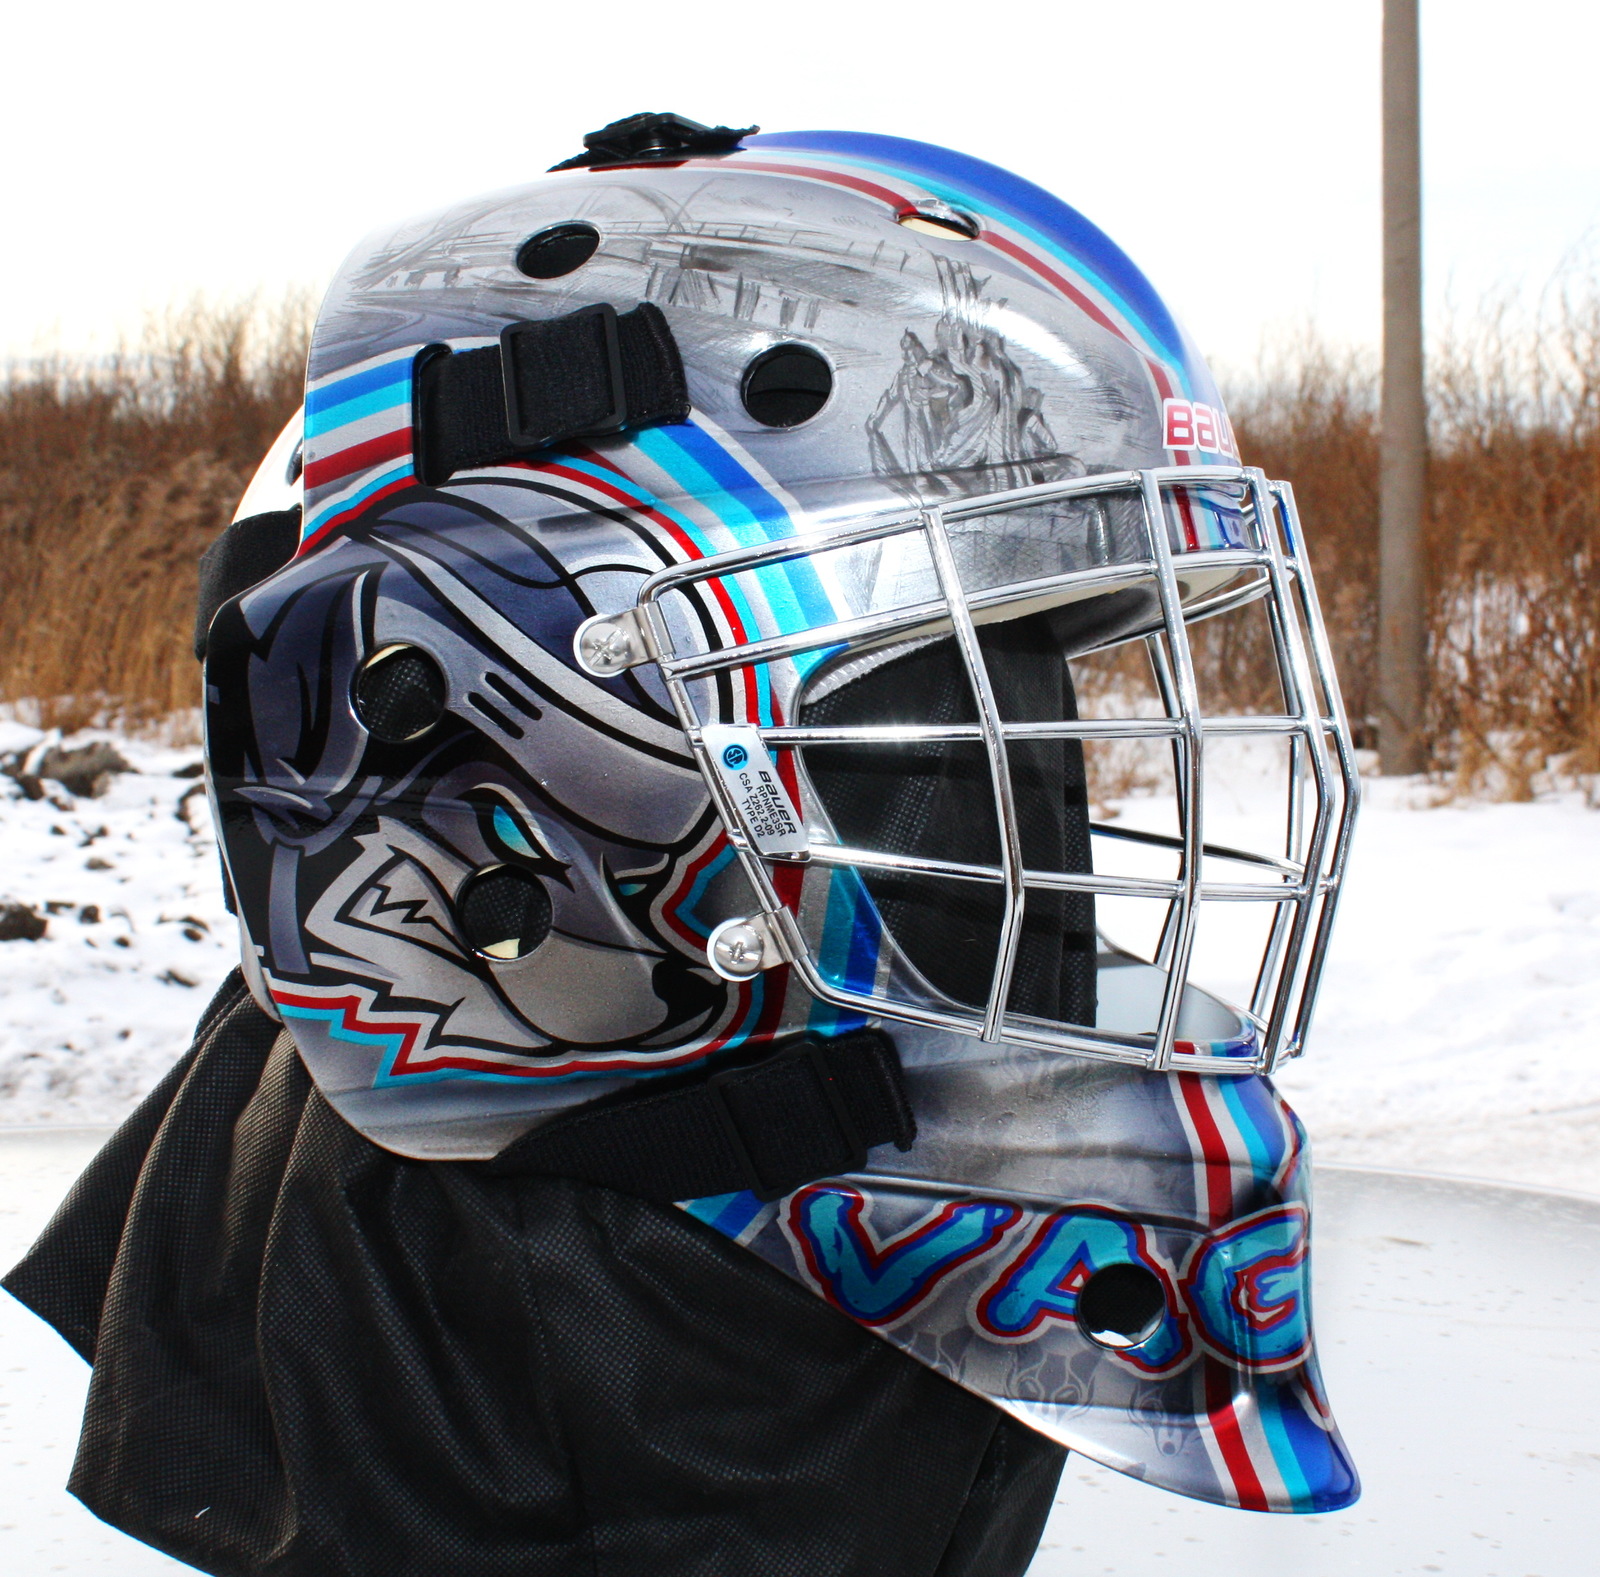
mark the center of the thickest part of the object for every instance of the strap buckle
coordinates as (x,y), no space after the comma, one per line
(847,1152)
(610,420)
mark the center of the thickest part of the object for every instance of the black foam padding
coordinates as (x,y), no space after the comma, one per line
(246,553)
(937,801)
(313,1358)
(400,694)
(503,905)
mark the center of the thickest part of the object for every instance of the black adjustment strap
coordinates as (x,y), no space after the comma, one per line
(584,375)
(811,1109)
(247,552)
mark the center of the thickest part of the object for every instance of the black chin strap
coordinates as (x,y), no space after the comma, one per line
(811,1109)
(585,375)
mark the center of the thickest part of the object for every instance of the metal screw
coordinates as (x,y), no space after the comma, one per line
(741,949)
(609,645)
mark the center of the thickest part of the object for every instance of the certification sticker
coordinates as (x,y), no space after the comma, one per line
(767,814)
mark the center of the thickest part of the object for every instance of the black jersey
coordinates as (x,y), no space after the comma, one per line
(314,1358)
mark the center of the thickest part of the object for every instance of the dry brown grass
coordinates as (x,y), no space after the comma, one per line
(114,475)
(1513,534)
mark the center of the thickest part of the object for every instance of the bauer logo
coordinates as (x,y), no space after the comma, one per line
(763,811)
(1189,425)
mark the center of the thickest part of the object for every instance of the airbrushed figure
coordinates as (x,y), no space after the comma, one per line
(687,1105)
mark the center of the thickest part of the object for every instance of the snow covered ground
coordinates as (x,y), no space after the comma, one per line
(1459,1029)
(93,1012)
(1459,1032)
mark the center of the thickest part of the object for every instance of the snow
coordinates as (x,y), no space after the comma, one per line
(1496,1381)
(1458,1030)
(1457,1033)
(95,1011)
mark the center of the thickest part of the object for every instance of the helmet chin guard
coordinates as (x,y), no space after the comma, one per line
(1166,1021)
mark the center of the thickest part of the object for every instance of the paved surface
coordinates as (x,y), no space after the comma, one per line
(1459,1325)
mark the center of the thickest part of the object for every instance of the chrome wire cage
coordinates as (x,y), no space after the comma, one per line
(1302,884)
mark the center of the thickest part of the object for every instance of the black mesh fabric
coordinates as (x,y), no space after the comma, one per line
(400,694)
(505,912)
(313,1358)
(937,801)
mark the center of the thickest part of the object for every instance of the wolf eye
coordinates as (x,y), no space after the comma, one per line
(503,913)
(512,835)
(399,694)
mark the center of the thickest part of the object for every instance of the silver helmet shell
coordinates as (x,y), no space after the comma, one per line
(638,646)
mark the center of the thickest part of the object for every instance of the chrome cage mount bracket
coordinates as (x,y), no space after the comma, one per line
(1303,885)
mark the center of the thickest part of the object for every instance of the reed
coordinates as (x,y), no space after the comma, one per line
(115,474)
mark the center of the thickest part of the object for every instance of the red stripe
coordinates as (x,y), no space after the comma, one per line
(1230,1438)
(1060,281)
(903,205)
(669,907)
(1191,532)
(689,548)
(346,515)
(350,1009)
(1213,1148)
(360,457)
(896,200)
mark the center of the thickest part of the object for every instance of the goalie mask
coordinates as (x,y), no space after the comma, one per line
(739,577)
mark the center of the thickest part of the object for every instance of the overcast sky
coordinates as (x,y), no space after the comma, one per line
(1231,146)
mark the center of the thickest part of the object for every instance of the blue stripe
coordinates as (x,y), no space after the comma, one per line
(847,954)
(707,471)
(1036,213)
(1256,1115)
(645,497)
(1270,1409)
(315,522)
(730,1214)
(386,1076)
(328,417)
(359,383)
(1036,209)
(334,1019)
(745,495)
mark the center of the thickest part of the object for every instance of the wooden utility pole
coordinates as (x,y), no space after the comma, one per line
(1403,435)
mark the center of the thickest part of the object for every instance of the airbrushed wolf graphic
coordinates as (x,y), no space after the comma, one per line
(360,868)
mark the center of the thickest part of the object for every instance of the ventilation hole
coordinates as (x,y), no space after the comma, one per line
(1121,1306)
(557,251)
(399,694)
(941,220)
(786,385)
(502,912)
